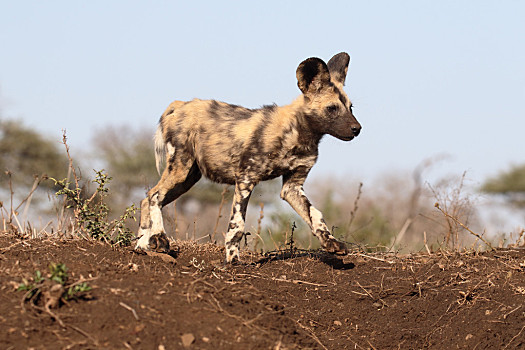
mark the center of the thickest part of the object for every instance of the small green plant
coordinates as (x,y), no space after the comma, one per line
(58,273)
(75,290)
(91,214)
(30,287)
(40,285)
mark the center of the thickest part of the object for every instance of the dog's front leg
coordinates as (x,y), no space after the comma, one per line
(293,193)
(243,190)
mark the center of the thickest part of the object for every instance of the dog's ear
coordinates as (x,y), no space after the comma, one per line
(338,67)
(312,74)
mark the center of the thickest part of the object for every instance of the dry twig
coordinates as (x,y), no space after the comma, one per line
(514,337)
(219,216)
(130,309)
(354,209)
(311,334)
(462,225)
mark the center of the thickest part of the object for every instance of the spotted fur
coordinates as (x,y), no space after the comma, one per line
(235,145)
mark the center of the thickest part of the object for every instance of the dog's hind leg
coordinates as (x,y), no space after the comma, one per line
(177,178)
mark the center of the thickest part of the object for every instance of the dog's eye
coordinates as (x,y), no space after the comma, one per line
(331,108)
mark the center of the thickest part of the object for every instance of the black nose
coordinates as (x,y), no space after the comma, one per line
(356,130)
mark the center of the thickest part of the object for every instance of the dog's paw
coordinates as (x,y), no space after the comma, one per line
(232,254)
(334,246)
(159,243)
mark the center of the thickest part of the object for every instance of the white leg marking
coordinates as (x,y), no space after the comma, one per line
(157,225)
(317,219)
(318,225)
(143,241)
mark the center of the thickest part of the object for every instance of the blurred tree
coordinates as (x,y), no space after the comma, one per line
(127,156)
(510,184)
(26,153)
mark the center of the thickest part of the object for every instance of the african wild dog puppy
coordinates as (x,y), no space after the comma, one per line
(239,146)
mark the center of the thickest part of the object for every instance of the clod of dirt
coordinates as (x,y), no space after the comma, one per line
(187,339)
(133,267)
(164,257)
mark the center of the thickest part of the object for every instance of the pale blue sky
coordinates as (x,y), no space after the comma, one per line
(426,77)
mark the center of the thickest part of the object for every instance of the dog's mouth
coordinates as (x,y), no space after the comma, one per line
(346,138)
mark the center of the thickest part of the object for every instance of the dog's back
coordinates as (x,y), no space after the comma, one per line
(225,139)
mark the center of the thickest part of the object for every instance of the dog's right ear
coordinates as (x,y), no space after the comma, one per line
(338,67)
(312,74)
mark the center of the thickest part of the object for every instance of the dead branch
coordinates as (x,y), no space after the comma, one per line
(259,226)
(64,141)
(3,250)
(246,323)
(425,241)
(417,175)
(462,225)
(28,198)
(374,258)
(367,292)
(219,216)
(354,209)
(130,309)
(514,337)
(311,334)
(284,280)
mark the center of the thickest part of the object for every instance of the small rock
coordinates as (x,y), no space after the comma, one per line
(164,257)
(338,323)
(205,339)
(468,336)
(187,339)
(139,328)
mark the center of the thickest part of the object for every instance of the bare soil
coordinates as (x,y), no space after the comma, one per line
(282,300)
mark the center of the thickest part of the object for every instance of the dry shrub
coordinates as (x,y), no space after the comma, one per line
(397,212)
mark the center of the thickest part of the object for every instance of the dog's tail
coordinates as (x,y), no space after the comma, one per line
(160,148)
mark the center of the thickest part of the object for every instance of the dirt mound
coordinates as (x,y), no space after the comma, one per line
(305,300)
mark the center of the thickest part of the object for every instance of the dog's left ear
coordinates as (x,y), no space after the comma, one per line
(312,75)
(338,67)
